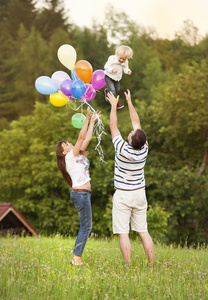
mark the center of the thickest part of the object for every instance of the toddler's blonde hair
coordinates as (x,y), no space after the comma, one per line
(124,52)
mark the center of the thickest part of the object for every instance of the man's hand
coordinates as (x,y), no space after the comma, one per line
(128,96)
(129,72)
(113,114)
(112,99)
(133,114)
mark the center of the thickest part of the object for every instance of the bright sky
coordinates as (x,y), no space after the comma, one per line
(165,16)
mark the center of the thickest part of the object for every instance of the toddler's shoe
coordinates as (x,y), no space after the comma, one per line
(106,94)
(119,106)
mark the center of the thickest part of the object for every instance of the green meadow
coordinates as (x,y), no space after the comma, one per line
(39,268)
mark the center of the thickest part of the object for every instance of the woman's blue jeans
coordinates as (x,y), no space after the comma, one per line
(82,203)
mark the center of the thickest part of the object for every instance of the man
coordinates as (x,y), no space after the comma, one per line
(129,200)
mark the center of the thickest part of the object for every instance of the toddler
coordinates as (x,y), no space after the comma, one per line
(114,68)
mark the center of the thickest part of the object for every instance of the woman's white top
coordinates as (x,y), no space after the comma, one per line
(78,168)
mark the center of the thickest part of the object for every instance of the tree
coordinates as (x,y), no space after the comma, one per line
(51,17)
(189,33)
(118,26)
(181,111)
(18,12)
(176,169)
(29,176)
(33,61)
(7,85)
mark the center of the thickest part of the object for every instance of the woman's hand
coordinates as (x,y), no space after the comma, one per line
(88,113)
(95,115)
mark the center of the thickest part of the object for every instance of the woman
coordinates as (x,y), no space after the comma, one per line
(73,164)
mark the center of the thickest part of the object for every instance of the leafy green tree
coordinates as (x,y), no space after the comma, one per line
(91,45)
(179,152)
(33,61)
(29,175)
(50,17)
(146,69)
(18,12)
(52,63)
(119,27)
(31,179)
(7,83)
(189,33)
(184,122)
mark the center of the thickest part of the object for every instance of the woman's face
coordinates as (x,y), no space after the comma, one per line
(67,147)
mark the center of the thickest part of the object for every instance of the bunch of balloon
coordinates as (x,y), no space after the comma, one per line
(59,85)
(82,84)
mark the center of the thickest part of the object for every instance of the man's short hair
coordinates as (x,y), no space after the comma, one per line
(138,139)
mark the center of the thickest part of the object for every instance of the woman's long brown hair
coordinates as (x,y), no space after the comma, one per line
(61,164)
(60,159)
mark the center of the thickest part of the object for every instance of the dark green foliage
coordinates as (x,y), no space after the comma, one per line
(7,74)
(18,12)
(49,19)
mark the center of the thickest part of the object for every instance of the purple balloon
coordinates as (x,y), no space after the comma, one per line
(58,77)
(90,92)
(98,79)
(65,87)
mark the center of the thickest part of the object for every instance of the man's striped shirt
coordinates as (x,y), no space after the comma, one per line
(129,165)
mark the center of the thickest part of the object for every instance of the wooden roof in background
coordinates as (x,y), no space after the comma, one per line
(10,213)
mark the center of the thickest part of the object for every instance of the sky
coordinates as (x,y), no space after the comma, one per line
(165,16)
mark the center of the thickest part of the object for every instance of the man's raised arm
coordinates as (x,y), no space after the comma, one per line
(113,114)
(132,112)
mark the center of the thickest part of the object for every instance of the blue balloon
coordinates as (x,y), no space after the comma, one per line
(78,88)
(45,85)
(74,75)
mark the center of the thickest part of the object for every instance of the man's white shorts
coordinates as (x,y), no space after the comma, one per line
(129,205)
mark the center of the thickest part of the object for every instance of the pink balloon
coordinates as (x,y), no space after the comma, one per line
(98,79)
(90,93)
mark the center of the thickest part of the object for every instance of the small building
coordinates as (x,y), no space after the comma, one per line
(12,221)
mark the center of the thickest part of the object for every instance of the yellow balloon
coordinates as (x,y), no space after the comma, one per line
(58,99)
(67,56)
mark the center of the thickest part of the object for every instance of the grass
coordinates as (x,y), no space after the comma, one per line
(39,268)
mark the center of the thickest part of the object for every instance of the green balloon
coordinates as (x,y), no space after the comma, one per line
(78,120)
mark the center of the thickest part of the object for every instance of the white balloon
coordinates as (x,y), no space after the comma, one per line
(67,56)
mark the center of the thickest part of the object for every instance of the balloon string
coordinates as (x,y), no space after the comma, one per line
(76,108)
(99,128)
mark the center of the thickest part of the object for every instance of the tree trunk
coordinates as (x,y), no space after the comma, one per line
(204,162)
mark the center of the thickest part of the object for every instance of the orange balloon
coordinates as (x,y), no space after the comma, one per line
(83,70)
